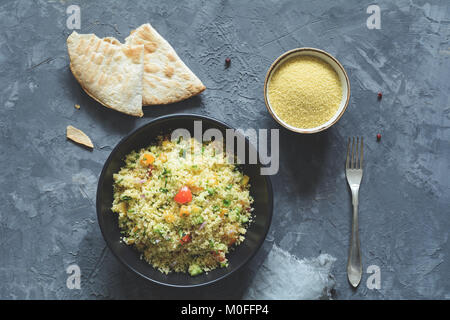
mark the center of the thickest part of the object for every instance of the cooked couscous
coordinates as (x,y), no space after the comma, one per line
(182,204)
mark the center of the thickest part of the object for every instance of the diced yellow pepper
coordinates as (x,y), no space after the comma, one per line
(196,209)
(122,206)
(245,180)
(192,184)
(162,157)
(169,217)
(185,211)
(224,210)
(147,159)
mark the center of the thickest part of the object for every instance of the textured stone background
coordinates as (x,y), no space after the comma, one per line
(48,184)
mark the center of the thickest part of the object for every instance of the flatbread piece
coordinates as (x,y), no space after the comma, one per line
(79,136)
(166,78)
(110,72)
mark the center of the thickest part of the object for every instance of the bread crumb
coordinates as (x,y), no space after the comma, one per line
(77,106)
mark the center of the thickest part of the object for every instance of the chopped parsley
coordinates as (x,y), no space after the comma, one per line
(197,219)
(211,191)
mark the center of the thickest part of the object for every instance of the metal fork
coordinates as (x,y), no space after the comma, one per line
(354,173)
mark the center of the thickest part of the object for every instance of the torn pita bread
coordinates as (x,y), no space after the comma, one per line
(166,78)
(79,136)
(110,72)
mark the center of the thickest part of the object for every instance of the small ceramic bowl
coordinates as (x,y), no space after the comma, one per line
(334,63)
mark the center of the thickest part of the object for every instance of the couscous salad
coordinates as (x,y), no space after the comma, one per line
(182,204)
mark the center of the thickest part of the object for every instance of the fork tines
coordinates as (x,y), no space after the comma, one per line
(355,158)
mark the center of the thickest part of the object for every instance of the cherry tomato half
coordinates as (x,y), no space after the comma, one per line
(183,196)
(219,255)
(149,170)
(185,239)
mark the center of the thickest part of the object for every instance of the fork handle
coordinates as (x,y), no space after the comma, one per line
(354,265)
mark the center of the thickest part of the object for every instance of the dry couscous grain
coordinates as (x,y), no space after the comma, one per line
(182,204)
(305,92)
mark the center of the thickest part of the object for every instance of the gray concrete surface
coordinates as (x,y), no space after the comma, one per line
(48,219)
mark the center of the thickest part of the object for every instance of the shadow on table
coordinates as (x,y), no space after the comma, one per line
(104,277)
(131,286)
(114,121)
(107,119)
(303,156)
(191,105)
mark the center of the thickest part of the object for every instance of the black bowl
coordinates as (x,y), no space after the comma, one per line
(261,190)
